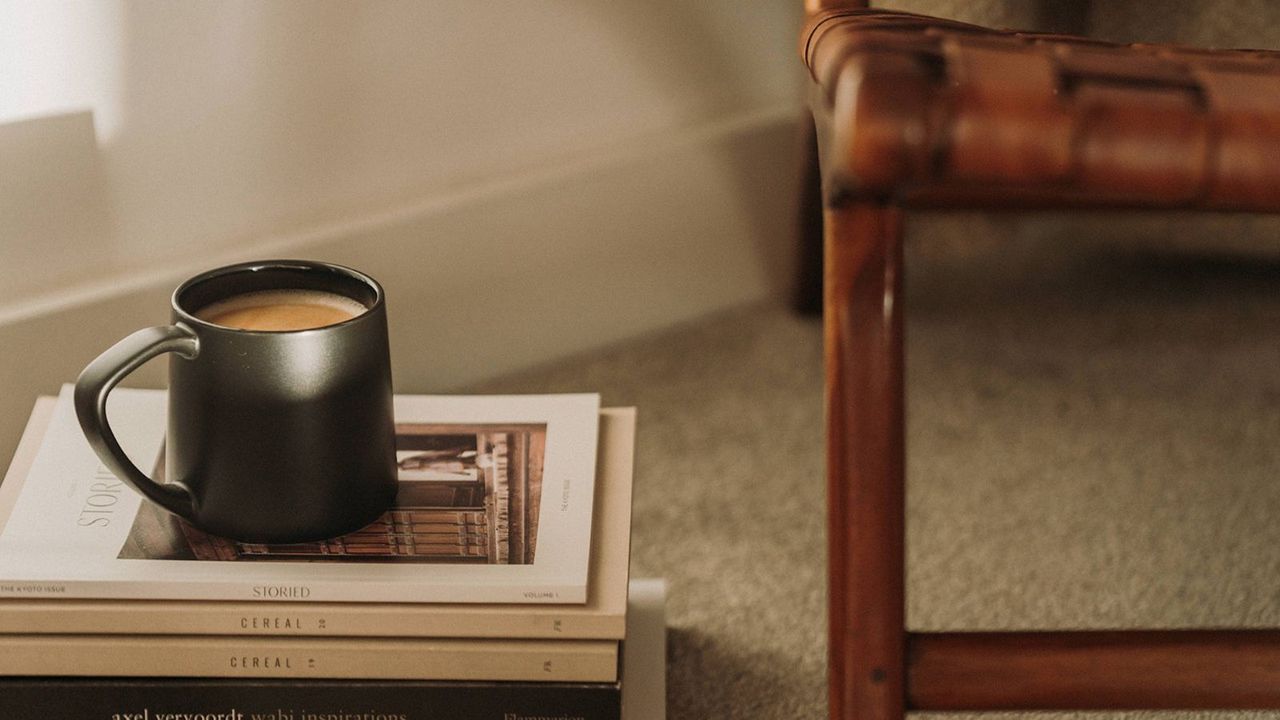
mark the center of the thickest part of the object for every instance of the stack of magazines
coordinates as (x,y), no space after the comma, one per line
(497,587)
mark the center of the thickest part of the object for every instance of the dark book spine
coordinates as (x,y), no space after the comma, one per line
(192,699)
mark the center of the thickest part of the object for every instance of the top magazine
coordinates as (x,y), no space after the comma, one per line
(494,506)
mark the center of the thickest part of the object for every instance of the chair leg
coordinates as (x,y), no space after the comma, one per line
(865,462)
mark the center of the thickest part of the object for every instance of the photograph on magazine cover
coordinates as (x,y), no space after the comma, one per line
(468,494)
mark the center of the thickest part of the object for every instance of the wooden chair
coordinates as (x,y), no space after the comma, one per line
(916,112)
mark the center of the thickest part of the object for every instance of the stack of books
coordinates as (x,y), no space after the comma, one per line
(498,587)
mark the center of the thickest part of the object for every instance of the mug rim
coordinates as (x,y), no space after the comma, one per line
(283,264)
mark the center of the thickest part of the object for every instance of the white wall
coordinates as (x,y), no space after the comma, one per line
(531,178)
(224,121)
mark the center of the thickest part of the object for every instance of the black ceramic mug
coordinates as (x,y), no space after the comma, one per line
(273,435)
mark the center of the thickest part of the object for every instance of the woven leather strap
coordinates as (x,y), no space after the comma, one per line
(934,112)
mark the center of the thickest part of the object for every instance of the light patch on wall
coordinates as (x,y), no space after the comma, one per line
(57,57)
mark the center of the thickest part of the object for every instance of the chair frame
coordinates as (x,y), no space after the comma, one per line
(915,112)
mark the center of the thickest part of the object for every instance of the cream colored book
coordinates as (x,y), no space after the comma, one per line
(601,617)
(380,658)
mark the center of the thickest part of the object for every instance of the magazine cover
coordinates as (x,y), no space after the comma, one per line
(494,506)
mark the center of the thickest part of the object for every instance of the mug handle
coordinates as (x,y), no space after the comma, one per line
(97,381)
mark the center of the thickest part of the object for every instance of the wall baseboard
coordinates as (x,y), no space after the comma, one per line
(498,276)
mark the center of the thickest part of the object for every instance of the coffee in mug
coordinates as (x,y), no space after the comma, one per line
(280,426)
(281,310)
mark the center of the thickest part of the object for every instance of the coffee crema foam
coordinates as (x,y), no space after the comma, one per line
(281,310)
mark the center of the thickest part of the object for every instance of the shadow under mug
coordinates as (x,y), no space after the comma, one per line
(273,436)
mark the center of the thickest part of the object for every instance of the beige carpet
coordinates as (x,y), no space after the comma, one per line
(1092,441)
